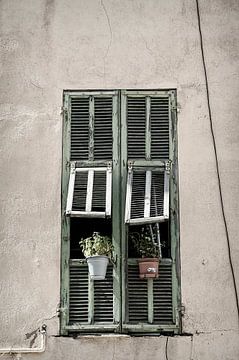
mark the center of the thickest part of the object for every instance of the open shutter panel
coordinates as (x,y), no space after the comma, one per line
(89,192)
(91,128)
(147,196)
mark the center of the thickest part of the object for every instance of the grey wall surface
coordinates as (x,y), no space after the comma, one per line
(47,46)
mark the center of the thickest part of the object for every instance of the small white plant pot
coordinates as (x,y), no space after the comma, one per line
(97,266)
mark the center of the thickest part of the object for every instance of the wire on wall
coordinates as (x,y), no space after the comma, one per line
(216,158)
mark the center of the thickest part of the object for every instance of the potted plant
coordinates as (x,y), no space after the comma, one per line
(97,249)
(145,246)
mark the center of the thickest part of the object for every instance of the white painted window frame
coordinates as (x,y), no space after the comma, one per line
(147,219)
(88,213)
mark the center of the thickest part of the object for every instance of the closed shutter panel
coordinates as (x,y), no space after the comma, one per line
(91,128)
(152,128)
(81,298)
(79,129)
(103,128)
(136,120)
(159,119)
(137,296)
(78,309)
(162,287)
(103,298)
(138,293)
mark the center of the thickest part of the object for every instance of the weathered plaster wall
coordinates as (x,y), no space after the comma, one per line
(47,46)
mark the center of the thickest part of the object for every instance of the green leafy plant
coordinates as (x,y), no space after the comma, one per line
(96,244)
(144,243)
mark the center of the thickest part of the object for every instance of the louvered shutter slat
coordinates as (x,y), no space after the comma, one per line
(136,120)
(80,191)
(157,194)
(162,296)
(159,119)
(163,308)
(101,133)
(79,128)
(99,191)
(78,307)
(137,296)
(138,189)
(103,128)
(103,296)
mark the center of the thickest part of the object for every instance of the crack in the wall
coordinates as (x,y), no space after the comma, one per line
(111,34)
(48,13)
(166,348)
(192,349)
(55,315)
(114,350)
(198,332)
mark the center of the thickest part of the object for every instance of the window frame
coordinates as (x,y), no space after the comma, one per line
(89,192)
(119,228)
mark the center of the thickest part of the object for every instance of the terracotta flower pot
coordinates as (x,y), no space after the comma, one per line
(148,268)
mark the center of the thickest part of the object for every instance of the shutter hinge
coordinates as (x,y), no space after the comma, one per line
(60,310)
(182,310)
(168,166)
(176,108)
(130,166)
(73,166)
(69,165)
(64,112)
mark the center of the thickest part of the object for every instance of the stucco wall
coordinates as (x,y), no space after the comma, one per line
(47,46)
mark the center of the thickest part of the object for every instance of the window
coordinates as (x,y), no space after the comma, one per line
(119,175)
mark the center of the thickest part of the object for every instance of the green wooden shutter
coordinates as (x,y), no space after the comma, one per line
(147,145)
(92,122)
(91,127)
(148,126)
(141,292)
(90,302)
(149,305)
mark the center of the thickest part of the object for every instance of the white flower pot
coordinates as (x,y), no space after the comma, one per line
(97,266)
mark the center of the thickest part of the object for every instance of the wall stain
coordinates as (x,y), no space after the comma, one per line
(33,334)
(48,13)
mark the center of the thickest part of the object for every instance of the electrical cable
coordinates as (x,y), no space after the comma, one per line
(216,158)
